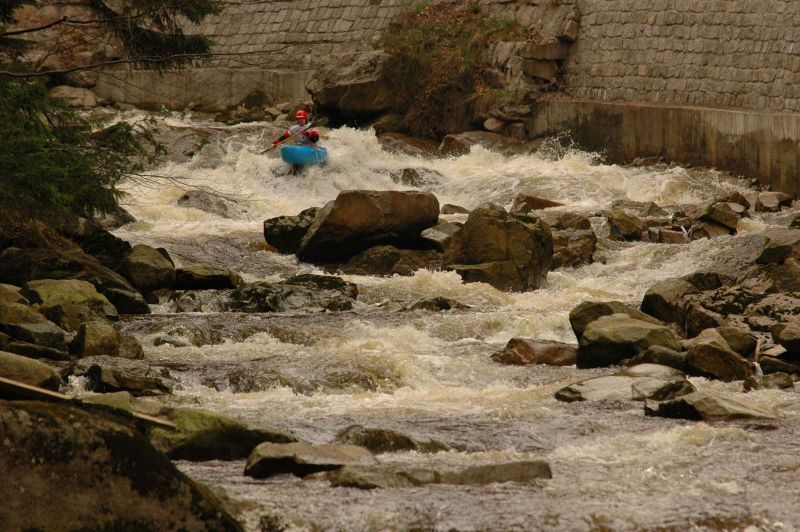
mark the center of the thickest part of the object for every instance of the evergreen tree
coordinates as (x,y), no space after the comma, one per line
(53,159)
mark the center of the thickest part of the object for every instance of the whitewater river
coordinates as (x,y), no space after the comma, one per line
(429,375)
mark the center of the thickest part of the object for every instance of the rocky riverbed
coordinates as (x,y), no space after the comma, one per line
(517,337)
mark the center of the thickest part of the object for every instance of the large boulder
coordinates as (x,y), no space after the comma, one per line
(359,219)
(69,302)
(355,87)
(65,468)
(611,339)
(96,338)
(769,201)
(507,251)
(148,269)
(710,354)
(285,233)
(572,248)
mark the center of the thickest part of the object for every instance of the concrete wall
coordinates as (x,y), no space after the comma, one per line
(750,142)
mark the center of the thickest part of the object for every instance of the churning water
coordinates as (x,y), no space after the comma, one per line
(429,375)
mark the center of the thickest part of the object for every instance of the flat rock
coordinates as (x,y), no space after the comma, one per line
(302,459)
(637,383)
(709,407)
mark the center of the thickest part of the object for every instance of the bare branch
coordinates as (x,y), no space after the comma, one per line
(33,30)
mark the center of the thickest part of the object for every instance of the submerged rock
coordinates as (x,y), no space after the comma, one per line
(211,203)
(301,292)
(379,440)
(403,476)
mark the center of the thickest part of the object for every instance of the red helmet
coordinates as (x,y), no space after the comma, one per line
(301,114)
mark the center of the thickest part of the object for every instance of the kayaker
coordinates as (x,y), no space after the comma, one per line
(309,137)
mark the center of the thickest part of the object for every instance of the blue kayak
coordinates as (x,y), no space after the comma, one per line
(303,154)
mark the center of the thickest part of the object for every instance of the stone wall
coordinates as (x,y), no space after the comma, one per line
(720,53)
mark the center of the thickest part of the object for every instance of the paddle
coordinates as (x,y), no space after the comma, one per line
(314,123)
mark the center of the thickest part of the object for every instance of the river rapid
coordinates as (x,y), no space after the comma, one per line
(429,375)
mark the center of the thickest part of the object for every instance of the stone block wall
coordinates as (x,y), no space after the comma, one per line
(717,53)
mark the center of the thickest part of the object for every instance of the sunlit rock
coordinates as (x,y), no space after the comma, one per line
(11,294)
(722,213)
(772,201)
(625,226)
(572,248)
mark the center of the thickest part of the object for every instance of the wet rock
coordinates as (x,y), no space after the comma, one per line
(121,480)
(507,251)
(30,350)
(416,177)
(667,236)
(379,441)
(640,209)
(301,292)
(705,406)
(148,269)
(588,311)
(774,381)
(397,142)
(723,214)
(11,294)
(611,339)
(522,351)
(565,220)
(436,304)
(710,354)
(447,208)
(129,347)
(69,302)
(18,266)
(525,203)
(95,338)
(186,302)
(740,341)
(572,248)
(781,244)
(735,197)
(205,277)
(789,338)
(360,219)
(636,383)
(202,435)
(285,233)
(389,260)
(403,476)
(211,203)
(355,87)
(440,236)
(708,230)
(27,325)
(625,226)
(772,201)
(115,219)
(301,459)
(665,300)
(492,206)
(113,374)
(663,356)
(461,143)
(28,371)
(127,301)
(772,364)
(699,318)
